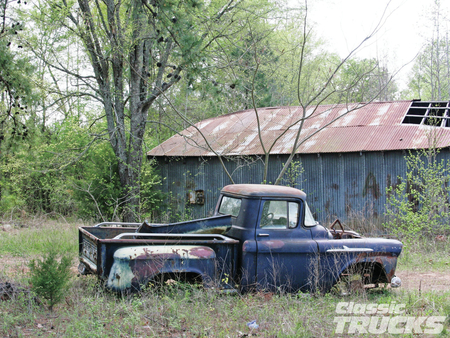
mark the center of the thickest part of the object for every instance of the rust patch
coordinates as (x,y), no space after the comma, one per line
(202,252)
(382,258)
(275,244)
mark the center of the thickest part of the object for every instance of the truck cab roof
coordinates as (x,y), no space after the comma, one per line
(262,190)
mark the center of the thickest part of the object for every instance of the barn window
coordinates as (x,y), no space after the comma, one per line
(428,113)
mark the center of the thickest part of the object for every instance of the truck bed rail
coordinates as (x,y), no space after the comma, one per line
(163,235)
(126,224)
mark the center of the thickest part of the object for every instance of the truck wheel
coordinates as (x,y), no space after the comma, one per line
(351,281)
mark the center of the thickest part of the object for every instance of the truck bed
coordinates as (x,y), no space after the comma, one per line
(97,244)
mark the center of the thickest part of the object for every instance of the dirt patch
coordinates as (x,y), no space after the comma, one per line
(13,266)
(424,281)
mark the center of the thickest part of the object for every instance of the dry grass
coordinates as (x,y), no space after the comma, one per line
(179,310)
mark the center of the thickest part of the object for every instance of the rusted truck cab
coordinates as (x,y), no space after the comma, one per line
(260,237)
(282,246)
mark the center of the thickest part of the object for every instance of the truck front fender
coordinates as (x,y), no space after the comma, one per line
(136,266)
(373,268)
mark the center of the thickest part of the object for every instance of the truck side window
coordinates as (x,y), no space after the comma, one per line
(293,215)
(230,206)
(279,215)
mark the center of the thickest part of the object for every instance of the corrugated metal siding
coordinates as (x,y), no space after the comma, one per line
(337,185)
(354,174)
(347,166)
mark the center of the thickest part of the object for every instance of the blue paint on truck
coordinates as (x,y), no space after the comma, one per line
(260,237)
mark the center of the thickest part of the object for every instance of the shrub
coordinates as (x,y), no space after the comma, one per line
(50,277)
(419,205)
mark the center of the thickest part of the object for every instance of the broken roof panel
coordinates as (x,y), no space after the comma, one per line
(375,126)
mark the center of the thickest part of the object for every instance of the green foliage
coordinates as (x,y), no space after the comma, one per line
(66,170)
(16,88)
(49,278)
(256,66)
(151,198)
(419,204)
(207,58)
(364,80)
(163,42)
(293,175)
(429,80)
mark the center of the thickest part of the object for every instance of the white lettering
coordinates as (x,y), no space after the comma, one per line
(375,328)
(391,307)
(358,324)
(433,322)
(383,309)
(342,308)
(393,323)
(341,323)
(371,322)
(414,324)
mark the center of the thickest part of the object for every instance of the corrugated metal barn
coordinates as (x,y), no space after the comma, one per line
(349,153)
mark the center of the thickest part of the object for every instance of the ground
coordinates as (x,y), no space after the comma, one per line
(425,280)
(411,280)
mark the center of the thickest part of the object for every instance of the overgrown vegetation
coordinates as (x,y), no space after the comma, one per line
(74,129)
(49,175)
(418,207)
(180,310)
(89,312)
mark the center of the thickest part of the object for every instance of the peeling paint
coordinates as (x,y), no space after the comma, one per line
(135,265)
(270,245)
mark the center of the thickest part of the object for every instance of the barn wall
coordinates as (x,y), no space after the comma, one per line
(337,185)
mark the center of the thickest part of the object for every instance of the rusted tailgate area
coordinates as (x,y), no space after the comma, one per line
(89,241)
(97,246)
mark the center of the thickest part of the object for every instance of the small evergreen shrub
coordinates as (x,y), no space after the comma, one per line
(50,277)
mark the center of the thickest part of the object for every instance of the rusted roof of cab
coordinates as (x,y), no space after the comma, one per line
(263,190)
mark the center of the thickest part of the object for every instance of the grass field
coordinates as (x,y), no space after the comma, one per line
(182,310)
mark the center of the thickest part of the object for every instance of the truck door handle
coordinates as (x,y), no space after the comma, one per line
(263,235)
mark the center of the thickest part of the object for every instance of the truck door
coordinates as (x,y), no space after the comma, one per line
(286,252)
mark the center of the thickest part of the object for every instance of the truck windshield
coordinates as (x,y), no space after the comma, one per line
(230,206)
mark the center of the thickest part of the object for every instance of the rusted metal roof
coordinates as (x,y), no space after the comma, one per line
(357,127)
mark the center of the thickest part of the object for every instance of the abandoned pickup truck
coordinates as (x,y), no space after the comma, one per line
(260,237)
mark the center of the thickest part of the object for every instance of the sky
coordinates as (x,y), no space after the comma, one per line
(406,25)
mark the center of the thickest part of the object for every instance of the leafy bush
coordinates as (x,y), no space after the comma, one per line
(50,278)
(419,204)
(69,171)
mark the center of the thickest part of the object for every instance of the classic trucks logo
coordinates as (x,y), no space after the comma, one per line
(389,318)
